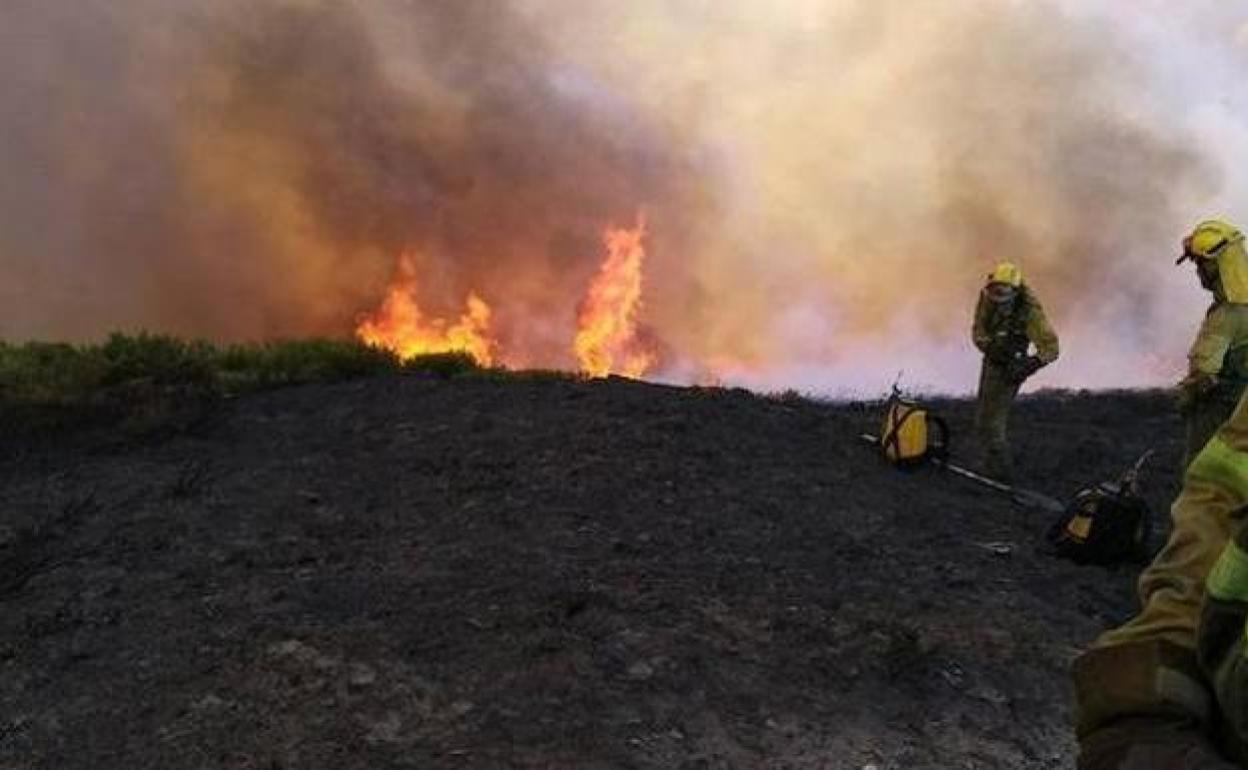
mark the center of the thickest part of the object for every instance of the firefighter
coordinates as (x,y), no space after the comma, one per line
(1009,322)
(1169,689)
(1218,360)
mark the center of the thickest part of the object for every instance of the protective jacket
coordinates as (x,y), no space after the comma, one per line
(1169,688)
(1217,373)
(1221,346)
(1003,333)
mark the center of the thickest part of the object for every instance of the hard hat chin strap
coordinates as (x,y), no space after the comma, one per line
(1207,270)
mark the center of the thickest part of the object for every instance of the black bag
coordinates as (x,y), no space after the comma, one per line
(1105,524)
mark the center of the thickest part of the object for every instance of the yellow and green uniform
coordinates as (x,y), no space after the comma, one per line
(1004,333)
(1144,694)
(1217,373)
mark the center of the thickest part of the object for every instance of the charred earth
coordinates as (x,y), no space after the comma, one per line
(411,571)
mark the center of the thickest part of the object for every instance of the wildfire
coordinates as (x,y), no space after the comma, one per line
(606,339)
(400,326)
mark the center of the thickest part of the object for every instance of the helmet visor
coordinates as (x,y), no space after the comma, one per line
(1000,293)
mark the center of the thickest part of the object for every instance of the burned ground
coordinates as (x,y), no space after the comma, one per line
(415,572)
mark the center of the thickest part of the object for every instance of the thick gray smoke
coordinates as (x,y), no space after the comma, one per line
(826,181)
(245,170)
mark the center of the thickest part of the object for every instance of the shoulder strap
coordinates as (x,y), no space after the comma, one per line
(939,448)
(891,437)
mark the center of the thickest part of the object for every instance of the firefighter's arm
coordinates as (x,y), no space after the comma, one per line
(1212,341)
(1042,335)
(1205,359)
(979,330)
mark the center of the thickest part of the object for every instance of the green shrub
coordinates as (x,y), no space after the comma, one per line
(48,373)
(158,359)
(244,367)
(529,375)
(787,397)
(443,364)
(141,378)
(153,380)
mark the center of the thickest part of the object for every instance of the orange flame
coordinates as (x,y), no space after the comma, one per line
(606,339)
(399,325)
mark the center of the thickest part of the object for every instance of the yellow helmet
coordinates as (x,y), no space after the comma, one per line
(1223,244)
(1006,273)
(1208,240)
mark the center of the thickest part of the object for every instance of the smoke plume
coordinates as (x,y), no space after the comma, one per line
(825,182)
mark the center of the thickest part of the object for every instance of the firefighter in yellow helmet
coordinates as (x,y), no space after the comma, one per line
(1169,689)
(1218,360)
(1009,322)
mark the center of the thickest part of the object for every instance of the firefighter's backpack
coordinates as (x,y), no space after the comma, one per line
(1105,524)
(911,435)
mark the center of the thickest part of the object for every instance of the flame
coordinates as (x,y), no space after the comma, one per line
(606,339)
(399,325)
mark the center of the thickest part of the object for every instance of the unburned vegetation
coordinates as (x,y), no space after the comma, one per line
(151,382)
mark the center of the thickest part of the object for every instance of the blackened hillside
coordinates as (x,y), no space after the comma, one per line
(426,573)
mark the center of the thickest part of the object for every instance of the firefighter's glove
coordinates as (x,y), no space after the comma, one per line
(1022,368)
(1193,389)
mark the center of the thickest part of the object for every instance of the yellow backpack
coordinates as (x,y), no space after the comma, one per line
(911,435)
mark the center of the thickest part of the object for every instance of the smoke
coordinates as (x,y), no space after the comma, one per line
(826,181)
(884,157)
(250,170)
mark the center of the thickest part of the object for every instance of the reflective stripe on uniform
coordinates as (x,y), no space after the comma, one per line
(1223,466)
(1228,580)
